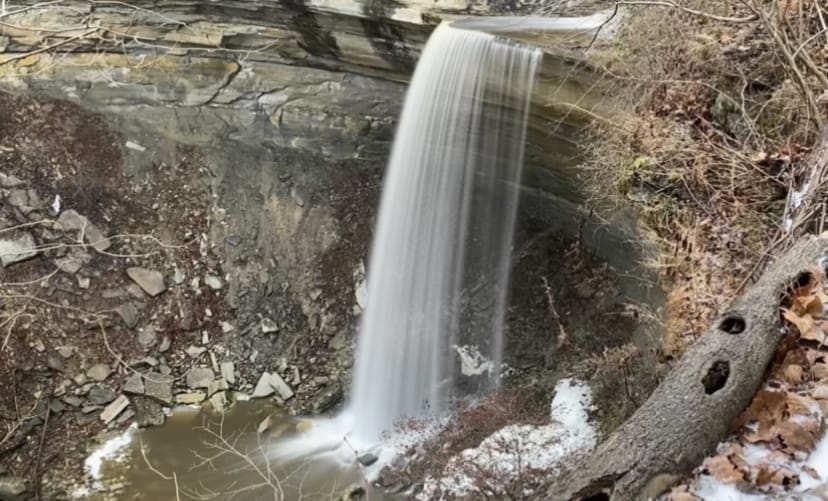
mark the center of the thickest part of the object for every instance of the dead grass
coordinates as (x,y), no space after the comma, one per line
(721,115)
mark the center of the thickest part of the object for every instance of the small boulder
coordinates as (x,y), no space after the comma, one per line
(147,336)
(70,220)
(73,400)
(99,372)
(148,412)
(270,383)
(150,281)
(213,282)
(18,199)
(194,397)
(217,386)
(55,363)
(16,248)
(134,385)
(9,181)
(14,489)
(269,326)
(195,351)
(129,314)
(100,395)
(159,387)
(114,409)
(228,372)
(199,377)
(367,459)
(73,261)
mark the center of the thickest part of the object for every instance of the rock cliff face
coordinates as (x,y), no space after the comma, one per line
(290,108)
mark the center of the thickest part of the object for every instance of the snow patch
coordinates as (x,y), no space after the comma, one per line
(798,196)
(472,363)
(710,489)
(818,460)
(520,449)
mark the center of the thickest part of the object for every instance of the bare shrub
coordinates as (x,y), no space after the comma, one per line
(471,423)
(725,99)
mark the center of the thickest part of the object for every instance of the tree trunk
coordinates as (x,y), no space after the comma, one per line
(694,408)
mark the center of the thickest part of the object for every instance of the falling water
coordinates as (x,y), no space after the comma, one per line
(440,260)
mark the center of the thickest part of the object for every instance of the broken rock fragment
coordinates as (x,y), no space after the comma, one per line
(114,409)
(270,383)
(70,220)
(159,387)
(16,248)
(150,281)
(199,377)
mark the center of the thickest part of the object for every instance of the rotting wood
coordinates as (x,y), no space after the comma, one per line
(694,408)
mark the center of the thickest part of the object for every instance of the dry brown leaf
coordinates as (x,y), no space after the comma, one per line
(806,325)
(820,371)
(721,468)
(798,355)
(814,305)
(793,373)
(776,475)
(767,407)
(813,355)
(799,405)
(765,435)
(797,437)
(738,460)
(820,392)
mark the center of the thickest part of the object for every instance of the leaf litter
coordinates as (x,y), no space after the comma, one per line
(780,448)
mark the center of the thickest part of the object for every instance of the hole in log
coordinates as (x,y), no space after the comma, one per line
(732,324)
(601,496)
(716,376)
(803,279)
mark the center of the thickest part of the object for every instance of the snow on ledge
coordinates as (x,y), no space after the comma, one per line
(518,449)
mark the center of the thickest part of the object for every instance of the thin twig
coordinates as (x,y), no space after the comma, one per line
(173,477)
(601,27)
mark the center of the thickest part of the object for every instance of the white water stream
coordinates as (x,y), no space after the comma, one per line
(440,260)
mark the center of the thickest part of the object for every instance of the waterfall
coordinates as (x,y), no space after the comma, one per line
(439,266)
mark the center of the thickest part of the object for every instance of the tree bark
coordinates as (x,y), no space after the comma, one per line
(694,408)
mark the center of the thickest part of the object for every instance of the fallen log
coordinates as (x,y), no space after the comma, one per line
(695,406)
